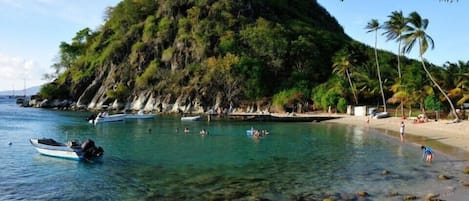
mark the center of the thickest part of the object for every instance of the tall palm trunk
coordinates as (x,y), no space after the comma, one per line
(379,74)
(437,85)
(399,71)
(351,87)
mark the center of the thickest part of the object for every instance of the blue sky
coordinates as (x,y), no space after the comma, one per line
(448,25)
(33,29)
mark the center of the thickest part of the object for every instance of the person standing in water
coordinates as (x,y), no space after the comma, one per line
(427,153)
(402,131)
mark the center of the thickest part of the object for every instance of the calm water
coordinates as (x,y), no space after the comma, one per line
(148,160)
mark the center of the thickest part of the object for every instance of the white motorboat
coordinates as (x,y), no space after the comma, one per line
(104,117)
(71,150)
(140,115)
(191,118)
(381,115)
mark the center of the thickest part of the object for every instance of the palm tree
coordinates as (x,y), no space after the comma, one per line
(395,27)
(458,75)
(416,34)
(373,26)
(342,64)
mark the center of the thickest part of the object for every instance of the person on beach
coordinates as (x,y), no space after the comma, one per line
(401,131)
(427,153)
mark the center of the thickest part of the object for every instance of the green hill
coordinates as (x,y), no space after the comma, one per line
(196,54)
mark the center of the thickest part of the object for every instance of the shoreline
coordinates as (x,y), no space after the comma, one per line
(451,139)
(443,135)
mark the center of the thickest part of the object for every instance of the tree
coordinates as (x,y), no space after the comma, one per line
(416,34)
(395,27)
(458,76)
(342,64)
(373,26)
(432,103)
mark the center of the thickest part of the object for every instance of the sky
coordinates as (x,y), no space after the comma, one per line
(448,24)
(31,30)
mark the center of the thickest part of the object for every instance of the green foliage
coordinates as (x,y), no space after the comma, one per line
(244,51)
(318,93)
(251,70)
(119,93)
(329,93)
(227,42)
(52,91)
(148,78)
(330,98)
(432,103)
(286,98)
(167,54)
(342,105)
(150,29)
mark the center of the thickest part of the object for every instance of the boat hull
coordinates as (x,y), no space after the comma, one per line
(194,118)
(140,116)
(109,118)
(72,150)
(56,151)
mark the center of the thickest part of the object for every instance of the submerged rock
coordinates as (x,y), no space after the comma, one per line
(432,197)
(410,197)
(466,183)
(466,170)
(443,177)
(393,194)
(385,172)
(362,193)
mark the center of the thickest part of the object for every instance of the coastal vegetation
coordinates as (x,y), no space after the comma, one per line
(197,55)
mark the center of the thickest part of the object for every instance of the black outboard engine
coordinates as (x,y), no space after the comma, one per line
(91,117)
(90,150)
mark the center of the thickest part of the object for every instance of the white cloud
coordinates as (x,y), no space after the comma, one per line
(16,72)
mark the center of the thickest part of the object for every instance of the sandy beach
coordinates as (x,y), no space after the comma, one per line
(443,135)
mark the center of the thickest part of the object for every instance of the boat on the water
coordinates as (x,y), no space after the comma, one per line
(105,117)
(140,115)
(71,150)
(191,118)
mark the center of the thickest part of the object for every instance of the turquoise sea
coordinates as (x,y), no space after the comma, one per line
(149,160)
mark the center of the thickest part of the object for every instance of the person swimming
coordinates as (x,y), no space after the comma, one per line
(427,153)
(203,132)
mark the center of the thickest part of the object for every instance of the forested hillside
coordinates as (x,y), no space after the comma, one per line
(196,55)
(204,52)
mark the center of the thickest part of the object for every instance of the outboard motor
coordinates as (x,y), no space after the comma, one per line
(91,117)
(98,152)
(90,150)
(87,144)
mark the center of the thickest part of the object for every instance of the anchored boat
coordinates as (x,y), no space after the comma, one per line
(71,150)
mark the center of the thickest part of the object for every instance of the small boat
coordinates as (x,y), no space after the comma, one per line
(140,115)
(381,115)
(104,117)
(191,118)
(72,150)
